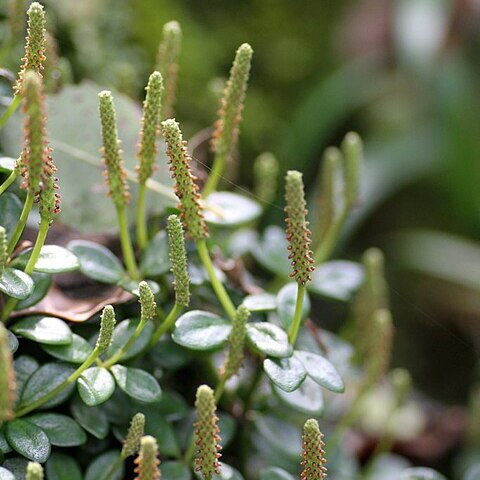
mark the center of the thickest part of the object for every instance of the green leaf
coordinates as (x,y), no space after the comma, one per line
(272,253)
(6,474)
(42,283)
(227,473)
(28,440)
(338,279)
(260,302)
(95,385)
(308,398)
(99,466)
(48,330)
(137,383)
(16,465)
(52,259)
(167,354)
(97,262)
(7,164)
(228,209)
(199,330)
(62,467)
(175,471)
(122,333)
(420,473)
(275,473)
(93,419)
(76,352)
(321,371)
(10,211)
(285,373)
(157,426)
(16,284)
(12,341)
(61,430)
(4,446)
(227,426)
(155,260)
(44,380)
(24,367)
(286,300)
(269,339)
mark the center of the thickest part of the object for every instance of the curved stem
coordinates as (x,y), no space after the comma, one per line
(142,237)
(9,180)
(126,241)
(218,167)
(297,316)
(10,110)
(27,206)
(166,324)
(217,285)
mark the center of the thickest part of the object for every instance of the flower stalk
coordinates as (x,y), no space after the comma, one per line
(147,461)
(313,460)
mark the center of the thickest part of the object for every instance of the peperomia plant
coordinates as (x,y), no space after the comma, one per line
(219,305)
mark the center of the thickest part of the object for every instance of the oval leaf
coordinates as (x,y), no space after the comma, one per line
(10,211)
(7,164)
(420,473)
(275,473)
(6,474)
(52,259)
(285,373)
(137,383)
(16,284)
(61,430)
(228,209)
(95,385)
(175,471)
(200,330)
(269,339)
(12,341)
(97,469)
(62,467)
(76,352)
(42,283)
(48,330)
(93,419)
(155,260)
(260,302)
(122,333)
(28,440)
(286,300)
(308,398)
(272,253)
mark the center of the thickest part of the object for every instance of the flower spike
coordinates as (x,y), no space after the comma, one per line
(298,234)
(206,434)
(313,454)
(147,461)
(147,301)
(7,377)
(34,471)
(3,249)
(265,172)
(131,444)
(107,324)
(352,148)
(185,186)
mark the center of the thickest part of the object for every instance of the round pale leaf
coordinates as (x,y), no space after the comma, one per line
(48,330)
(28,440)
(275,473)
(137,383)
(286,301)
(260,302)
(12,341)
(61,430)
(269,339)
(155,260)
(272,253)
(76,352)
(420,473)
(52,259)
(6,474)
(7,164)
(228,209)
(308,398)
(95,385)
(16,284)
(42,283)
(285,373)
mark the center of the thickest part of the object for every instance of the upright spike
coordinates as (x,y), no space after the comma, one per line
(147,301)
(352,149)
(313,454)
(131,444)
(147,461)
(265,173)
(107,324)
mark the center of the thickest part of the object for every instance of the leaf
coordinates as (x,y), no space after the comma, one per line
(93,419)
(269,339)
(12,341)
(321,371)
(17,465)
(7,164)
(271,253)
(6,474)
(44,380)
(338,279)
(260,302)
(228,209)
(28,440)
(52,259)
(157,426)
(420,473)
(97,262)
(95,385)
(227,426)
(99,466)
(226,473)
(137,383)
(4,446)
(10,211)
(199,330)
(308,398)
(61,430)
(275,473)
(48,330)
(175,471)
(286,300)
(62,467)
(76,352)
(42,283)
(24,367)
(16,284)
(285,373)
(155,259)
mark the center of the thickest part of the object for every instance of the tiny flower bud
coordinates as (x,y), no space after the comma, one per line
(147,148)
(236,341)
(3,249)
(134,435)
(147,461)
(313,454)
(115,174)
(178,260)
(185,186)
(206,434)
(107,324)
(298,234)
(7,377)
(167,64)
(265,172)
(147,301)
(34,471)
(352,149)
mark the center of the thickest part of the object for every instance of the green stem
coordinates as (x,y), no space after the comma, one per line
(219,163)
(297,316)
(166,324)
(27,206)
(126,241)
(10,110)
(142,237)
(327,244)
(217,285)
(10,179)
(219,389)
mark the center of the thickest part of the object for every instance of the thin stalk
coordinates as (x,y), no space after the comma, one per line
(142,237)
(9,180)
(27,206)
(218,167)
(10,110)
(126,241)
(219,389)
(297,316)
(217,285)
(166,324)
(327,244)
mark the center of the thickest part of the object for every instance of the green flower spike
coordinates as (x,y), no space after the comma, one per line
(3,249)
(107,324)
(167,64)
(34,471)
(115,174)
(131,444)
(265,173)
(35,46)
(151,119)
(206,434)
(298,234)
(313,454)
(178,260)
(353,150)
(236,341)
(7,377)
(147,301)
(147,461)
(185,186)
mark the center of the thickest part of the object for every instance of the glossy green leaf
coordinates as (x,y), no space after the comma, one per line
(175,471)
(12,341)
(228,209)
(338,279)
(62,467)
(7,164)
(61,430)
(420,473)
(48,330)
(97,262)
(52,259)
(28,440)
(155,260)
(307,398)
(275,473)
(260,302)
(122,333)
(286,300)
(137,383)
(76,352)
(93,419)
(42,283)
(95,385)
(199,330)
(6,474)
(167,354)
(99,466)
(228,427)
(16,284)
(285,373)
(16,465)
(321,371)
(24,367)
(269,339)
(4,446)
(10,211)
(158,426)
(272,253)
(171,405)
